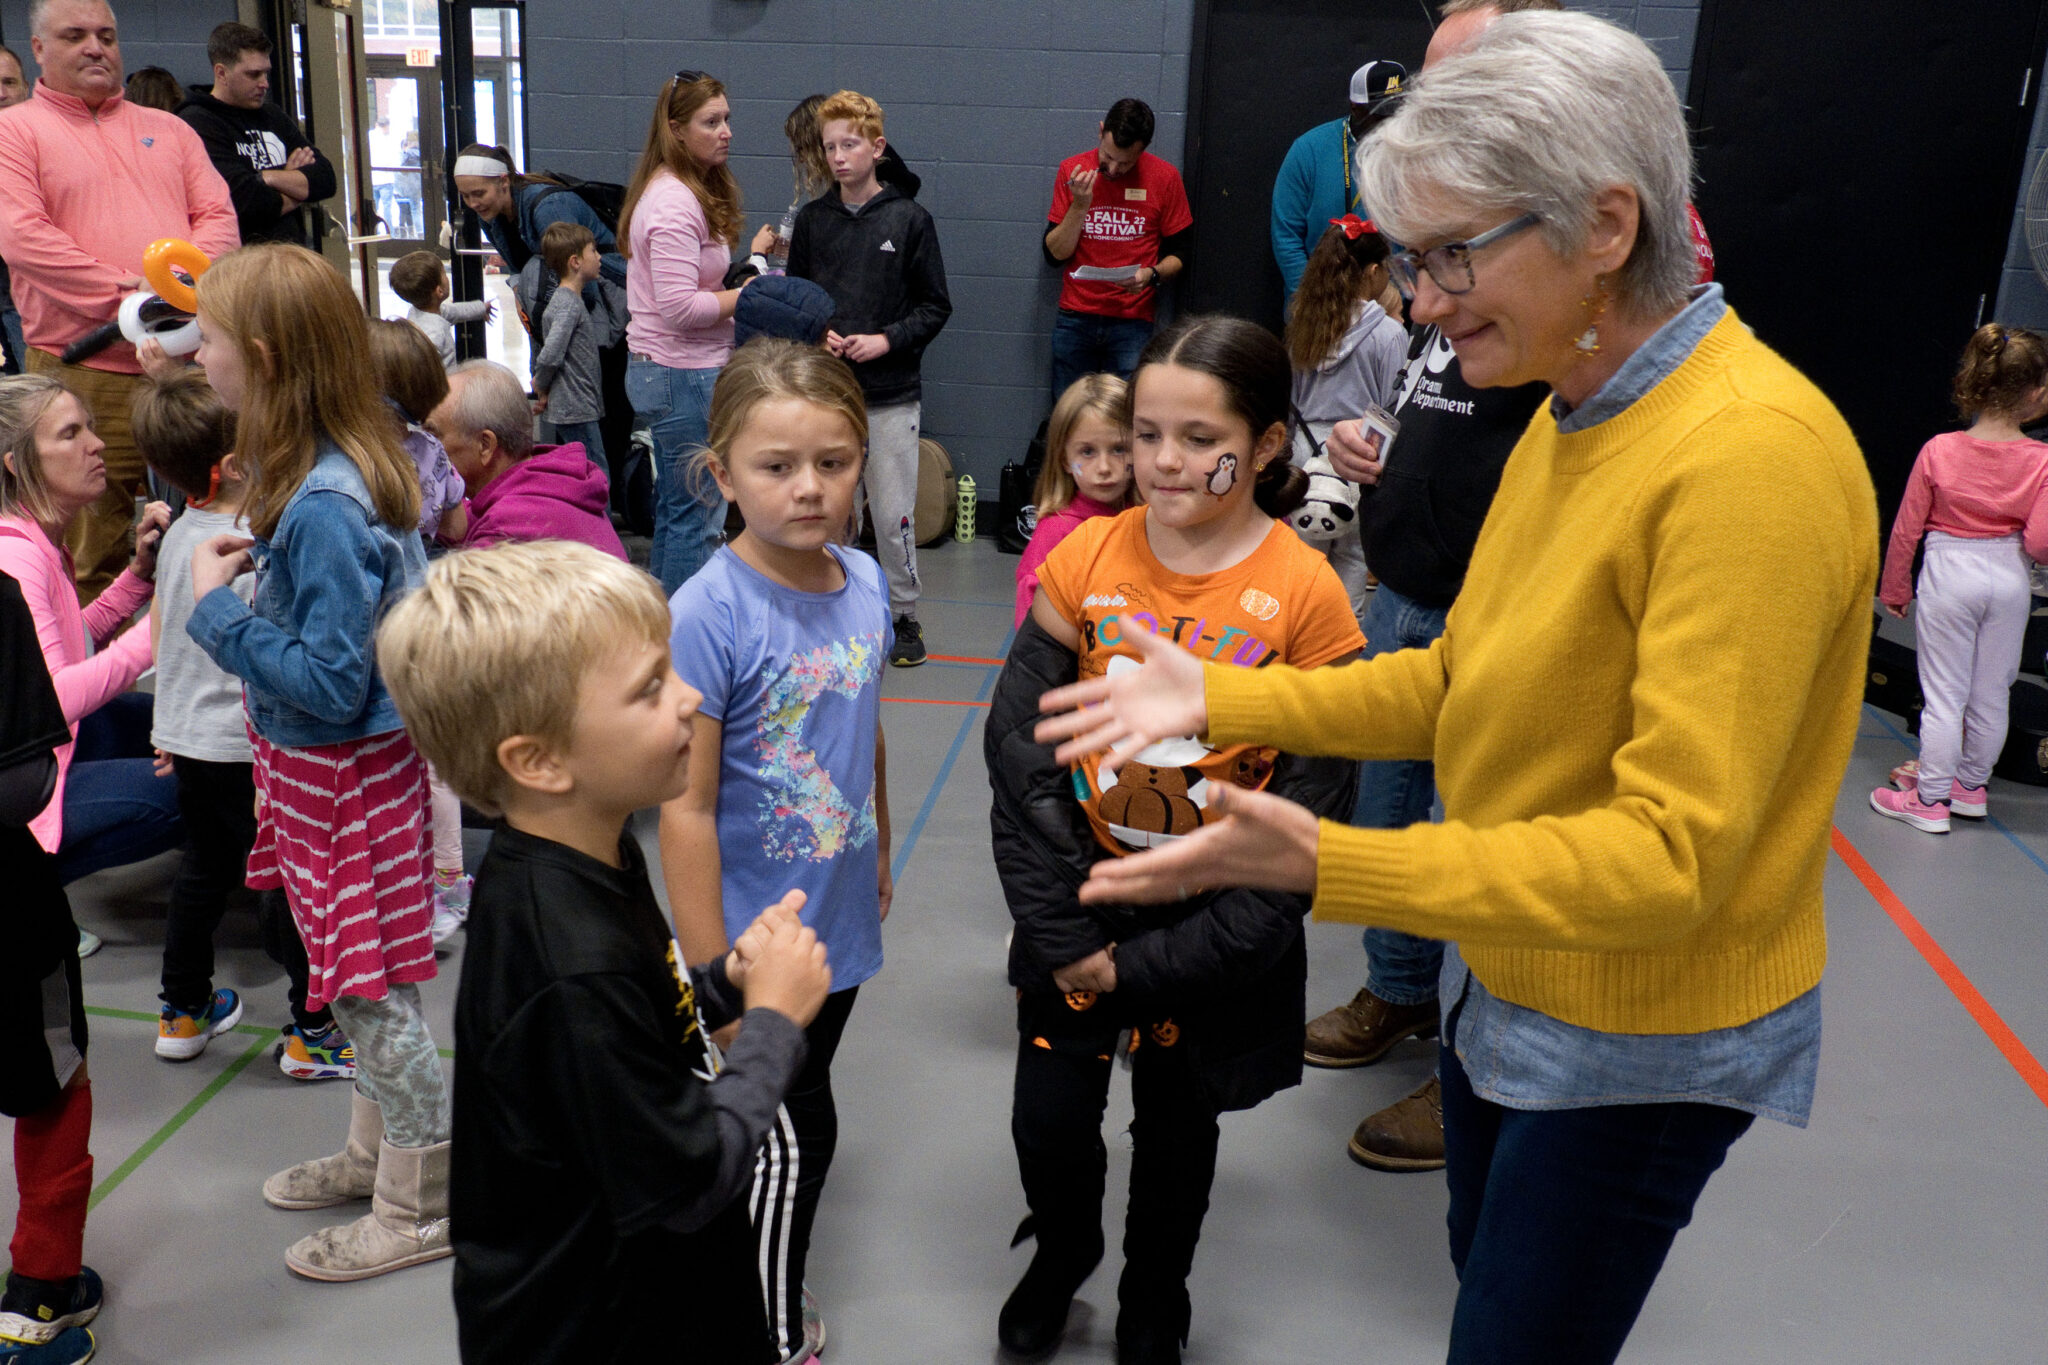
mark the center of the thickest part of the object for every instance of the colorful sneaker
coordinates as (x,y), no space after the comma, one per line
(814,1324)
(451,908)
(908,651)
(322,1056)
(180,1036)
(1972,803)
(38,1312)
(72,1346)
(1906,777)
(1907,807)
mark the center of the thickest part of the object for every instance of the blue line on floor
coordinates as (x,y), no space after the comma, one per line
(970,602)
(1992,820)
(931,796)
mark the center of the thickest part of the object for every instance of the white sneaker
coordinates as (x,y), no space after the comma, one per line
(88,943)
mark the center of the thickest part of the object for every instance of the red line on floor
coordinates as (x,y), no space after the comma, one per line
(2001,1034)
(965,659)
(933,701)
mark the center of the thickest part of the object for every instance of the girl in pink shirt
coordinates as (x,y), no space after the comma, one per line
(1087,472)
(1980,497)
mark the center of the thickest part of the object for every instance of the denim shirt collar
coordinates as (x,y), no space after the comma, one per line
(1652,363)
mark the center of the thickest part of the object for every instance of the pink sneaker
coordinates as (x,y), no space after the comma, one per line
(1907,775)
(1968,802)
(1906,806)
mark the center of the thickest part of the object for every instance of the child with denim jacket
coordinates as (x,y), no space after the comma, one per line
(333,505)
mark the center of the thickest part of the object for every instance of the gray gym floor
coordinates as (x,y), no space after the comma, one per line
(1905,1225)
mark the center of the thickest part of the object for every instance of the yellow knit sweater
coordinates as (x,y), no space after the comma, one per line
(1640,710)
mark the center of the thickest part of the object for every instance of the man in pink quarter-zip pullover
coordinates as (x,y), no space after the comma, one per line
(87,182)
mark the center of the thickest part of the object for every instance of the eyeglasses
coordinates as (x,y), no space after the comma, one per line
(1450,265)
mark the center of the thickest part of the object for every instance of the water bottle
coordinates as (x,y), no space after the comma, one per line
(778,250)
(963,512)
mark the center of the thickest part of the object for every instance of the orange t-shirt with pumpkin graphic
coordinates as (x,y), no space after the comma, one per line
(1281,604)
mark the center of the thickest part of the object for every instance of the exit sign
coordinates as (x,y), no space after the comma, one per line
(421,56)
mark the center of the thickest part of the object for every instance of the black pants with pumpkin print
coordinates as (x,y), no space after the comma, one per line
(1065,1047)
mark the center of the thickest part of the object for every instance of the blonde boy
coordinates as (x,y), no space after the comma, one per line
(601,1151)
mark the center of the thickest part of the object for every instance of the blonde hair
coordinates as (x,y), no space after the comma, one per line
(716,189)
(497,643)
(864,113)
(305,347)
(770,368)
(24,401)
(1092,395)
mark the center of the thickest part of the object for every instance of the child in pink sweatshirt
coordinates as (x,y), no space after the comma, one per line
(1087,472)
(1981,499)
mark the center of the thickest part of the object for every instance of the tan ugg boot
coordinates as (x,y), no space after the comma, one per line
(406,1225)
(349,1174)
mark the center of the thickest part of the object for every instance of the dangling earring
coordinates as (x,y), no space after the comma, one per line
(1588,343)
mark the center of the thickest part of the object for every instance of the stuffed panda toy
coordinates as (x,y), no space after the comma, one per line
(1332,506)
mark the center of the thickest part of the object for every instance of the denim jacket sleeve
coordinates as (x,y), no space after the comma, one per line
(323,661)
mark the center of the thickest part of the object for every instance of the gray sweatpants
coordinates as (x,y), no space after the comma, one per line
(1974,599)
(889,484)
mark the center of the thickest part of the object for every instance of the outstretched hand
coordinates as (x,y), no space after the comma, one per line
(1261,841)
(1121,713)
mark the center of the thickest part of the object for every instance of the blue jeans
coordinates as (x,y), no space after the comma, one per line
(1087,343)
(116,811)
(689,512)
(590,435)
(1560,1219)
(10,324)
(1400,969)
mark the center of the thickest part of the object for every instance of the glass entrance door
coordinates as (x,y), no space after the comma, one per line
(407,186)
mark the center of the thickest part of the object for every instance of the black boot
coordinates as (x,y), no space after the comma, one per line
(1035,1315)
(1151,1323)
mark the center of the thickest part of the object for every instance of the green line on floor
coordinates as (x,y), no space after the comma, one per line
(177,1120)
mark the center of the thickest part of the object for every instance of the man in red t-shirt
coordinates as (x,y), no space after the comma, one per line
(1115,207)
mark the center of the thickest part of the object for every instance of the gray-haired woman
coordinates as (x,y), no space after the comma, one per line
(1638,761)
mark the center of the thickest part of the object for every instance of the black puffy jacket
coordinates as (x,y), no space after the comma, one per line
(1229,967)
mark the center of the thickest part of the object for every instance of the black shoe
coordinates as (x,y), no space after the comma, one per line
(1153,1333)
(908,651)
(38,1311)
(1034,1317)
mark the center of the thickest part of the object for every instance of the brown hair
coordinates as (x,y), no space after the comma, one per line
(1328,297)
(416,276)
(305,347)
(863,112)
(807,148)
(520,180)
(1251,365)
(2000,369)
(183,429)
(716,189)
(562,241)
(154,88)
(24,400)
(1098,395)
(409,369)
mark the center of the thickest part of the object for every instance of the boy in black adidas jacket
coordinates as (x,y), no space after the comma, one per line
(876,252)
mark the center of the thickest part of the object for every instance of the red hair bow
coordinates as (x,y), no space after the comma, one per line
(1354,226)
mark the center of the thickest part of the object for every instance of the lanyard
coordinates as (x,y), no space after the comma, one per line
(1351,198)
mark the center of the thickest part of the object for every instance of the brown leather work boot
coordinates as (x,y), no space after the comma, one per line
(1365,1030)
(1405,1136)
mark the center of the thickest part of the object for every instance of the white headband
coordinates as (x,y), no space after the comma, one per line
(481,165)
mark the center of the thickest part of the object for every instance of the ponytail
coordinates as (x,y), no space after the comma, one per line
(2000,367)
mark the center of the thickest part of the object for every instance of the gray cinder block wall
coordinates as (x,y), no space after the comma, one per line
(2022,297)
(983,100)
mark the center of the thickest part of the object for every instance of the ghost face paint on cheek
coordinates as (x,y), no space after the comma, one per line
(1098,455)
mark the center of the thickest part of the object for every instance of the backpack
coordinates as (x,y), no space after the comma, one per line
(607,199)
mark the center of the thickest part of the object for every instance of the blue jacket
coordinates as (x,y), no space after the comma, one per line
(538,207)
(305,649)
(1308,194)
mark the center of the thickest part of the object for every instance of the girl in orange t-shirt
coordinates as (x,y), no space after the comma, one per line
(1211,988)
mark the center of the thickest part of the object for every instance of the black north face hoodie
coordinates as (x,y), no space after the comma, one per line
(244,143)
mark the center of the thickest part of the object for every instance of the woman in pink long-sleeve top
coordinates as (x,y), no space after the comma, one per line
(678,229)
(109,807)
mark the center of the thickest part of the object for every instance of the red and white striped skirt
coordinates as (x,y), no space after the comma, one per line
(343,828)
